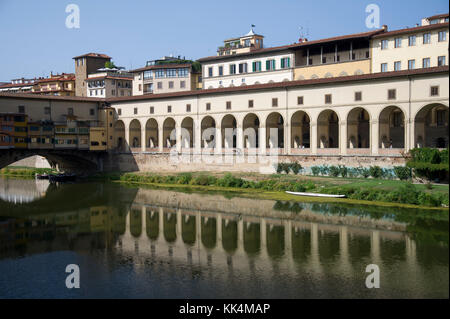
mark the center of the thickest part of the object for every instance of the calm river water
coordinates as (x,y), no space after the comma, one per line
(134,242)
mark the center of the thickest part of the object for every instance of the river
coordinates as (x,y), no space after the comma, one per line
(139,242)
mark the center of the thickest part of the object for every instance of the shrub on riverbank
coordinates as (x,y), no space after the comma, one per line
(25,172)
(406,194)
(429,163)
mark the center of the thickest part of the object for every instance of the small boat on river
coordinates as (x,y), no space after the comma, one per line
(42,176)
(316,195)
(62,178)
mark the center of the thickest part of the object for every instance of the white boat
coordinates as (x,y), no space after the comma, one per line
(315,195)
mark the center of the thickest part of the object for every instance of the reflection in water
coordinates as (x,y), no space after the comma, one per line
(129,243)
(20,191)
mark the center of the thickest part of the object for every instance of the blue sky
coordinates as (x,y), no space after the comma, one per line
(36,41)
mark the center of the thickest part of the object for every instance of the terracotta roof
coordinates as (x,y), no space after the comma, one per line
(162,66)
(412,30)
(11,85)
(93,55)
(61,78)
(288,84)
(295,45)
(49,97)
(438,16)
(109,77)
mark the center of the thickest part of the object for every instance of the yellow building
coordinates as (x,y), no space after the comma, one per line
(102,136)
(20,130)
(59,85)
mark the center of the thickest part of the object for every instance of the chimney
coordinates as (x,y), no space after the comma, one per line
(384,27)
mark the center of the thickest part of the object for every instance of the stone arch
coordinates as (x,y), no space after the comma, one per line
(300,78)
(187,134)
(250,127)
(300,130)
(285,80)
(119,136)
(257,82)
(229,130)
(135,133)
(188,229)
(275,121)
(169,126)
(358,128)
(151,133)
(343,73)
(392,127)
(359,72)
(229,235)
(208,129)
(328,129)
(328,75)
(314,76)
(252,238)
(431,126)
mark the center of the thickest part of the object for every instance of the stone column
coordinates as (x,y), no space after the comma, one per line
(240,235)
(144,221)
(313,138)
(143,141)
(161,224)
(239,137)
(178,137)
(127,137)
(161,138)
(374,136)
(262,139)
(218,140)
(287,138)
(375,246)
(343,137)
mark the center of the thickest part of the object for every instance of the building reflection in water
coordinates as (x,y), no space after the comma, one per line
(20,191)
(260,247)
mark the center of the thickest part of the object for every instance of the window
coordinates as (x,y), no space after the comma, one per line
(397,66)
(169,108)
(140,87)
(426,63)
(434,91)
(171,73)
(270,65)
(324,59)
(243,68)
(398,119)
(383,67)
(300,100)
(384,44)
(440,117)
(135,111)
(91,112)
(152,110)
(220,70)
(148,75)
(274,102)
(46,110)
(21,109)
(208,106)
(113,92)
(285,63)
(412,40)
(170,84)
(256,66)
(182,84)
(398,42)
(442,36)
(160,74)
(210,71)
(426,38)
(328,99)
(182,73)
(160,85)
(411,64)
(441,60)
(119,111)
(228,105)
(250,104)
(392,94)
(188,107)
(232,68)
(70,111)
(358,96)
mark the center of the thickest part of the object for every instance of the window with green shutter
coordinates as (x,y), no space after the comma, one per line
(282,63)
(273,64)
(268,65)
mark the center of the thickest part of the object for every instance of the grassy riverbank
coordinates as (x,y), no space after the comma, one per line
(19,171)
(358,191)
